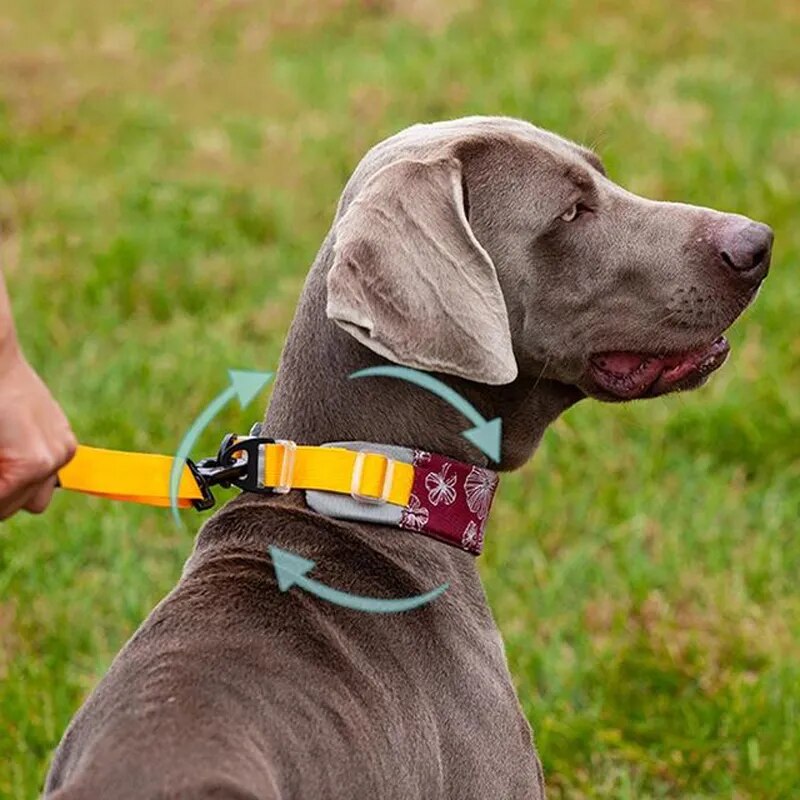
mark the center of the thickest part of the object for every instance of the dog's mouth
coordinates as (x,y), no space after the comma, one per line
(628,376)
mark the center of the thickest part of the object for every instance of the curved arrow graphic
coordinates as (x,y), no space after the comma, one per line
(486,435)
(291,569)
(245,384)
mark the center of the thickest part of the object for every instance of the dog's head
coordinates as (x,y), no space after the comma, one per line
(487,248)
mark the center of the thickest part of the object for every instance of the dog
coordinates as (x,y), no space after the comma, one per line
(502,259)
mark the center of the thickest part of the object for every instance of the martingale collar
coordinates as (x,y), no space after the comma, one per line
(414,490)
(447,499)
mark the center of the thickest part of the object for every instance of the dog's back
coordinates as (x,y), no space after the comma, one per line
(233,689)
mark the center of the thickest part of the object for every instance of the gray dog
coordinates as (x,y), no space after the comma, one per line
(501,258)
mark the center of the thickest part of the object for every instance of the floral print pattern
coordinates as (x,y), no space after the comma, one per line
(441,486)
(449,501)
(471,535)
(414,515)
(480,486)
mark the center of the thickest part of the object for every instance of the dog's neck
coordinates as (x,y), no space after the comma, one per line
(315,401)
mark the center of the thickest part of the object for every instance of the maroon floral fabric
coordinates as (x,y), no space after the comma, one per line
(449,501)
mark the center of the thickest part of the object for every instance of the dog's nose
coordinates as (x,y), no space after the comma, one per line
(746,247)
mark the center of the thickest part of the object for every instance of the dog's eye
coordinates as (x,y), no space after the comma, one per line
(573,212)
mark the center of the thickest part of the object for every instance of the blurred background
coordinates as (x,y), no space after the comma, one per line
(169,170)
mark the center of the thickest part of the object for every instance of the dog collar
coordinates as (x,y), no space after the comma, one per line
(410,489)
(447,500)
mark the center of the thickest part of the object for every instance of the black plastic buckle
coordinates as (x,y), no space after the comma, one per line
(228,468)
(247,478)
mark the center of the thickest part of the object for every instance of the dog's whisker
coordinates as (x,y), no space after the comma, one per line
(541,374)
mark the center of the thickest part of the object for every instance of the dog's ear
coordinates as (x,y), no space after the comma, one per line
(410,280)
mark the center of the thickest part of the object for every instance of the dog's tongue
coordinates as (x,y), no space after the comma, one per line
(620,363)
(629,375)
(624,363)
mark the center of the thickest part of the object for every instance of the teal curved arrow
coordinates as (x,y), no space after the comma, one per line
(245,384)
(486,435)
(291,569)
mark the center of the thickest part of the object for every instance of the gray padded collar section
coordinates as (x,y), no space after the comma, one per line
(342,506)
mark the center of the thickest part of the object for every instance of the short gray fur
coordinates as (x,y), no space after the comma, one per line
(448,252)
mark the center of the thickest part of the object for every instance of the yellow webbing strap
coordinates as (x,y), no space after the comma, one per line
(136,477)
(144,477)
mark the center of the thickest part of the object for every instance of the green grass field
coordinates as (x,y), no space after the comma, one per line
(168,172)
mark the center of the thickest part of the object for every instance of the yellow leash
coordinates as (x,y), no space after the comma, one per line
(269,466)
(135,477)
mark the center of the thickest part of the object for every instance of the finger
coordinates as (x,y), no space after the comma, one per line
(40,498)
(40,466)
(35,476)
(69,447)
(62,443)
(15,501)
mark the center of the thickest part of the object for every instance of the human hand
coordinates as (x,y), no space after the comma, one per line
(35,438)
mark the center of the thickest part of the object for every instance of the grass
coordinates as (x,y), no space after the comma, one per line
(169,171)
